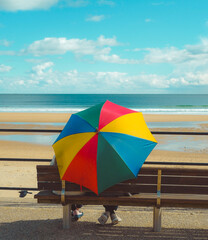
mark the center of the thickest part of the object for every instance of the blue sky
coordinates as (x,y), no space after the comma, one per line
(104,46)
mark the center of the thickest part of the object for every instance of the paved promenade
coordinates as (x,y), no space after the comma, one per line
(25,219)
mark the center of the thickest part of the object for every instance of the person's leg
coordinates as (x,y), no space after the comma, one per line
(104,217)
(114,218)
(109,212)
(110,209)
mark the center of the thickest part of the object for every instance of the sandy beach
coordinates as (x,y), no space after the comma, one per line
(18,172)
(63,117)
(23,174)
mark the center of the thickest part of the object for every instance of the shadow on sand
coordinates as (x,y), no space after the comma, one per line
(52,229)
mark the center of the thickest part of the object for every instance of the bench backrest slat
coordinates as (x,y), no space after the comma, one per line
(181,180)
(148,179)
(140,179)
(144,170)
(48,177)
(119,188)
(172,179)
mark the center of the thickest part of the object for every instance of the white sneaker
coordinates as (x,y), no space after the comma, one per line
(115,219)
(104,218)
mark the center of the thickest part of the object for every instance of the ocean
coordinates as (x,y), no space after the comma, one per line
(146,103)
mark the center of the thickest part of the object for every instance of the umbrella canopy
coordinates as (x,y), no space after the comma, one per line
(103,145)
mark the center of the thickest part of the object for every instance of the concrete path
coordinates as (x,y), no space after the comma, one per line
(25,219)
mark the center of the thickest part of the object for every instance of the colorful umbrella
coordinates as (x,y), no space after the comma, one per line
(103,145)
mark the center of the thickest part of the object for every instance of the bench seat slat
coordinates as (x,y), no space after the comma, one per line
(167,200)
(122,188)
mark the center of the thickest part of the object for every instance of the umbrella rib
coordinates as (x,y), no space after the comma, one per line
(132,136)
(78,132)
(70,136)
(119,117)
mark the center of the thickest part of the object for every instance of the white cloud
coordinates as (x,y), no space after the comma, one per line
(102,41)
(191,55)
(165,55)
(175,81)
(75,81)
(99,49)
(20,82)
(200,48)
(96,18)
(190,79)
(39,70)
(115,59)
(95,81)
(43,79)
(4,42)
(53,46)
(4,68)
(25,5)
(152,80)
(16,5)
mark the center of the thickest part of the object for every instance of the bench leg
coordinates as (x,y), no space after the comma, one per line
(67,216)
(157,219)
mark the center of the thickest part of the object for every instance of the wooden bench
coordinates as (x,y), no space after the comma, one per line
(157,188)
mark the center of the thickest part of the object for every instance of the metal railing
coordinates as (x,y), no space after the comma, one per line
(59,130)
(22,189)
